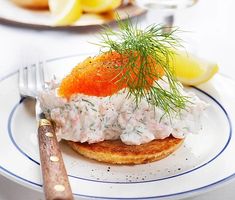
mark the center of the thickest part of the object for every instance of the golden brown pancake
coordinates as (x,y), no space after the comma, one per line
(116,152)
(32,4)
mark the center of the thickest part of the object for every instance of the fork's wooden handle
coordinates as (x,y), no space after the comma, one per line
(55,180)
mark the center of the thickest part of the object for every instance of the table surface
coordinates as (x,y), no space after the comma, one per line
(209,30)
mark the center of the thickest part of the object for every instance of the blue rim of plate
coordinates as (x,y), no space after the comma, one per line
(149,197)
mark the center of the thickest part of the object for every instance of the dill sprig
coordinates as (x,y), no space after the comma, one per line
(153,49)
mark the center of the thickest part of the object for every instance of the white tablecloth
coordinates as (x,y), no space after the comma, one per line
(209,33)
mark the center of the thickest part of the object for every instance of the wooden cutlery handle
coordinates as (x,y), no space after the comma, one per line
(55,180)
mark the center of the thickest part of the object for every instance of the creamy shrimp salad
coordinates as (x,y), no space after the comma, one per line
(93,119)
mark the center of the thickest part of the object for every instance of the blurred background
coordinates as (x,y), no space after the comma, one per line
(207,25)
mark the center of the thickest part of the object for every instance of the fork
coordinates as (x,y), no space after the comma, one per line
(55,180)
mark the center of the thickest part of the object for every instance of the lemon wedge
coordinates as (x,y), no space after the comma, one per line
(100,6)
(66,12)
(191,70)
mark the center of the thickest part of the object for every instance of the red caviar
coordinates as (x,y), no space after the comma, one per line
(101,75)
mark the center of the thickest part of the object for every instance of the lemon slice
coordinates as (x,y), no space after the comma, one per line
(191,70)
(66,12)
(99,6)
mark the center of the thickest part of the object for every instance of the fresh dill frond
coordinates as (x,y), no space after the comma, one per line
(149,52)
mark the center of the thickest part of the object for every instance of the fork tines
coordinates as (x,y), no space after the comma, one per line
(31,79)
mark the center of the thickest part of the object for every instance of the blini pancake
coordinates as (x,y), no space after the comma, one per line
(116,152)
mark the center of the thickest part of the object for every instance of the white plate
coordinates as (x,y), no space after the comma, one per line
(204,161)
(12,14)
